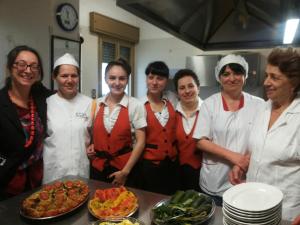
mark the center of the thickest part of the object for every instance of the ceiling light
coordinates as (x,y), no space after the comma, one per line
(290,30)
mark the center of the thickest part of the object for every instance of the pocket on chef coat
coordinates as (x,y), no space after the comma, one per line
(290,153)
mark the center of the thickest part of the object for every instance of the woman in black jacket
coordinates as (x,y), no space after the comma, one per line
(22,122)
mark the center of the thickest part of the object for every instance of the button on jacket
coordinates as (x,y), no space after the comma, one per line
(227,129)
(275,154)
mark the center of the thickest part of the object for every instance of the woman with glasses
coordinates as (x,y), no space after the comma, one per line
(69,121)
(223,126)
(22,122)
(119,130)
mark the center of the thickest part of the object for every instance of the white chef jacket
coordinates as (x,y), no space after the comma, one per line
(68,123)
(163,116)
(227,129)
(275,154)
(188,122)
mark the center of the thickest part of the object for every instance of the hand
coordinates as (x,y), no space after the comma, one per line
(236,175)
(119,177)
(240,160)
(296,221)
(90,151)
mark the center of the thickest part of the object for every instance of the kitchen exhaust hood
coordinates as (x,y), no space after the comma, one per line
(219,24)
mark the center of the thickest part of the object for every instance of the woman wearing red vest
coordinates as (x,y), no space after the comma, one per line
(159,165)
(187,111)
(114,152)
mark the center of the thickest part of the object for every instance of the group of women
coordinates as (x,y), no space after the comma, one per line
(155,143)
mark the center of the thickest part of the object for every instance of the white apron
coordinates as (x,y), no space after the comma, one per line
(68,124)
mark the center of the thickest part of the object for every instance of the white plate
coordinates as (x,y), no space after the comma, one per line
(253,196)
(252,219)
(230,220)
(251,213)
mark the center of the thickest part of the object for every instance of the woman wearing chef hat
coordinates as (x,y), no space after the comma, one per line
(223,126)
(119,130)
(69,120)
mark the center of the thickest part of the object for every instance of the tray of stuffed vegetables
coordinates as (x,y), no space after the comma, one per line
(113,203)
(55,199)
(184,207)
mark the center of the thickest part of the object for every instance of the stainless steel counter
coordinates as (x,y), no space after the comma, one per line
(9,209)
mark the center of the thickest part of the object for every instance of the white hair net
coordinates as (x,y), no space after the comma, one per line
(231,59)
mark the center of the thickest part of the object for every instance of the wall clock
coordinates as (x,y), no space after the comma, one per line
(67,16)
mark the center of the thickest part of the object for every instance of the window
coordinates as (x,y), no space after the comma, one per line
(112,49)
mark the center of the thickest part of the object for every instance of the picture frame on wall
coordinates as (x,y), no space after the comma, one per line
(60,46)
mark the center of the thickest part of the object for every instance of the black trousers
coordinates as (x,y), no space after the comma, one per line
(189,178)
(160,178)
(104,175)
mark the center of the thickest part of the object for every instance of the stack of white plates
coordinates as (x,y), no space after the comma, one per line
(252,203)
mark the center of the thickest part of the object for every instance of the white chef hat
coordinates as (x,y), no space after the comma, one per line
(66,59)
(231,59)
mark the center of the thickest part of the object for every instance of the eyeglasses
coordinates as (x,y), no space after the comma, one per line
(22,66)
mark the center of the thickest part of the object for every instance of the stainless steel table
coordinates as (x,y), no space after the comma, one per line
(9,209)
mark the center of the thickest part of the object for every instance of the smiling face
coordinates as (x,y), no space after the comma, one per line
(116,78)
(67,80)
(187,90)
(231,81)
(156,84)
(278,86)
(25,70)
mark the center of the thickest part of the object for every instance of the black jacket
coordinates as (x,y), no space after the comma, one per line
(12,137)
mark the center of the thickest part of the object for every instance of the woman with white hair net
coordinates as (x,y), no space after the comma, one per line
(223,126)
(68,120)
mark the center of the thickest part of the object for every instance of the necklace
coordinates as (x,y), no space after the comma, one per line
(32,123)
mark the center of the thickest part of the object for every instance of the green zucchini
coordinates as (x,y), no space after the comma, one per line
(198,202)
(176,198)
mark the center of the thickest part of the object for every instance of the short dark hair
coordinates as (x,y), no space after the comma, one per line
(119,62)
(158,68)
(13,54)
(235,67)
(185,73)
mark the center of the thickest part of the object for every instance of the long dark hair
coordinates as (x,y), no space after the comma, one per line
(13,54)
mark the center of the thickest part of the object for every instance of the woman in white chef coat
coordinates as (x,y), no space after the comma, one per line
(68,120)
(222,129)
(119,130)
(187,85)
(274,142)
(159,164)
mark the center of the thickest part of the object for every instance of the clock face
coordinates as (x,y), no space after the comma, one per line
(67,17)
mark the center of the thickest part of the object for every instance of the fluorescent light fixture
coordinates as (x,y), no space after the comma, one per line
(290,30)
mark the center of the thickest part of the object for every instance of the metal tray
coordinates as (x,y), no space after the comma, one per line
(165,201)
(131,219)
(22,213)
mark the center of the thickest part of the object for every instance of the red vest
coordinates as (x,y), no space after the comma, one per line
(160,141)
(112,148)
(187,145)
